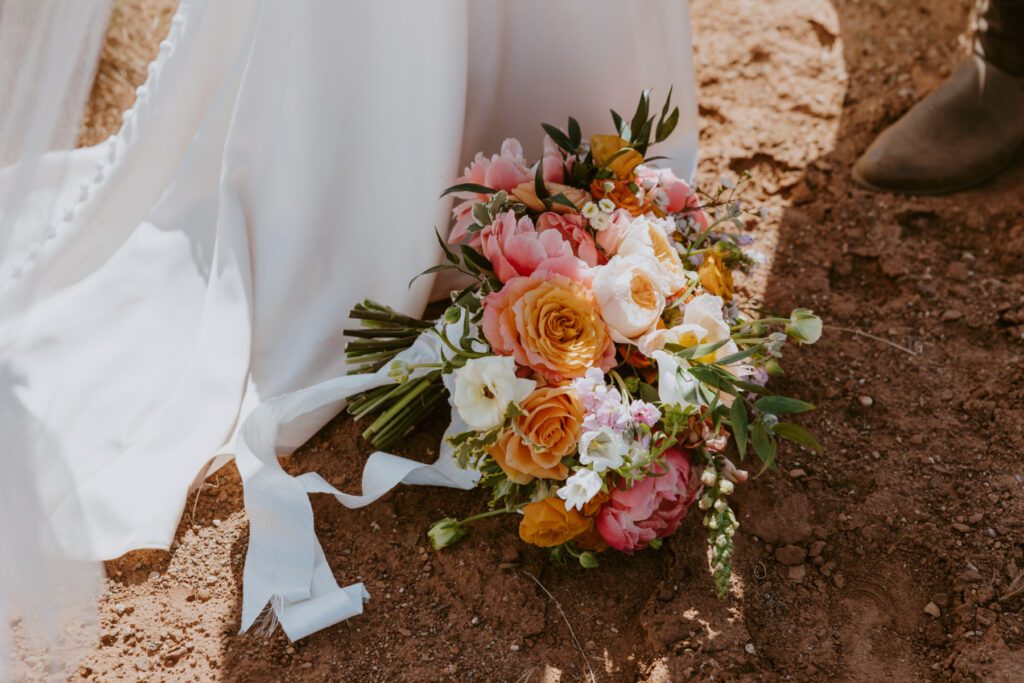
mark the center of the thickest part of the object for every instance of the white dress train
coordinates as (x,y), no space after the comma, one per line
(283,161)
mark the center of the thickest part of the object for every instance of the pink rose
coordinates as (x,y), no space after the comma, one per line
(611,237)
(504,171)
(518,249)
(570,227)
(652,508)
(681,197)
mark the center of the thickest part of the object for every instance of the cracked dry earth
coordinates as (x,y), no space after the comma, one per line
(896,555)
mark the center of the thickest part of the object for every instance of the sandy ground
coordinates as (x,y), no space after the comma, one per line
(917,500)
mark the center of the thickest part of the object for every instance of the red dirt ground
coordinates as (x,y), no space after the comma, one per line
(917,499)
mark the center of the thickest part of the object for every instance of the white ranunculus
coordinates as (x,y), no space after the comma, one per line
(602,449)
(630,294)
(484,387)
(580,488)
(675,386)
(681,335)
(651,237)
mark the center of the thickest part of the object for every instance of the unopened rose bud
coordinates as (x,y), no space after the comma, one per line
(452,315)
(804,326)
(588,560)
(446,532)
(708,477)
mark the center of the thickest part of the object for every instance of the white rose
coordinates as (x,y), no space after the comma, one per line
(602,449)
(630,294)
(676,387)
(580,488)
(650,236)
(483,389)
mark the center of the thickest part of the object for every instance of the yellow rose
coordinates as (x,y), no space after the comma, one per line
(547,431)
(604,147)
(527,194)
(551,325)
(715,276)
(547,523)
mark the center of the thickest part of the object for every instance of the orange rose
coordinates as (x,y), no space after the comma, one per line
(547,523)
(527,194)
(620,195)
(604,147)
(591,539)
(547,431)
(716,276)
(551,325)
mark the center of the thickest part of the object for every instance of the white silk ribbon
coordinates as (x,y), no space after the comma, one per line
(285,565)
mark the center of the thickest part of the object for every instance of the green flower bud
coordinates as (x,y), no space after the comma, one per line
(452,315)
(773,368)
(446,532)
(728,251)
(588,560)
(804,326)
(399,371)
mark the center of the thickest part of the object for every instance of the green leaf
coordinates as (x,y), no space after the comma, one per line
(469,187)
(559,138)
(648,393)
(668,101)
(538,183)
(780,405)
(700,350)
(762,445)
(575,135)
(796,433)
(475,258)
(738,417)
(732,358)
(640,115)
(449,254)
(432,269)
(664,129)
(751,387)
(620,126)
(564,201)
(474,227)
(481,214)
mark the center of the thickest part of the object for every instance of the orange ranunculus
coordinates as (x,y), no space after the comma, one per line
(591,539)
(621,195)
(527,194)
(548,523)
(593,506)
(715,276)
(604,147)
(551,325)
(547,431)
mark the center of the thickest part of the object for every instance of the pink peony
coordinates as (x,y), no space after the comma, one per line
(518,249)
(652,508)
(503,171)
(553,162)
(571,227)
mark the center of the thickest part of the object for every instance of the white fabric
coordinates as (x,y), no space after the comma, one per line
(284,161)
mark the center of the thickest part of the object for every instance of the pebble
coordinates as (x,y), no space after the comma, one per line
(204,594)
(816,548)
(986,617)
(514,647)
(797,573)
(790,555)
(154,575)
(749,647)
(839,580)
(976,517)
(951,315)
(971,575)
(962,528)
(932,609)
(142,664)
(866,401)
(797,473)
(216,522)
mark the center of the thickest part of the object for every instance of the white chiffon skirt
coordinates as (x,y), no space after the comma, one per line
(282,162)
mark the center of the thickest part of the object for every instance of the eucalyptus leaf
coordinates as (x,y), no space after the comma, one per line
(481,214)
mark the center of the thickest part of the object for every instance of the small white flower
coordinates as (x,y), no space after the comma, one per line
(707,477)
(726,487)
(720,505)
(602,449)
(590,211)
(580,488)
(484,387)
(606,205)
(600,222)
(661,197)
(609,186)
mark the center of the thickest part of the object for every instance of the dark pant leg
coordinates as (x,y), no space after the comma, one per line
(1000,35)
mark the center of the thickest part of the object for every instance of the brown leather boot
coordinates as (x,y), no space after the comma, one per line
(960,135)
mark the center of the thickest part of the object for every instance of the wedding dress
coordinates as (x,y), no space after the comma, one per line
(283,161)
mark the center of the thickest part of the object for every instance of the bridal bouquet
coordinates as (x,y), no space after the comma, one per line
(597,363)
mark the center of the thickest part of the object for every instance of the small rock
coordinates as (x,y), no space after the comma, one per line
(866,401)
(204,594)
(749,647)
(142,664)
(839,580)
(216,522)
(289,650)
(971,575)
(932,609)
(514,647)
(474,621)
(175,654)
(120,609)
(986,617)
(790,555)
(976,517)
(797,573)
(941,599)
(154,575)
(816,548)
(962,528)
(797,473)
(951,315)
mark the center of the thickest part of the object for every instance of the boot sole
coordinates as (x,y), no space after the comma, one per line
(946,189)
